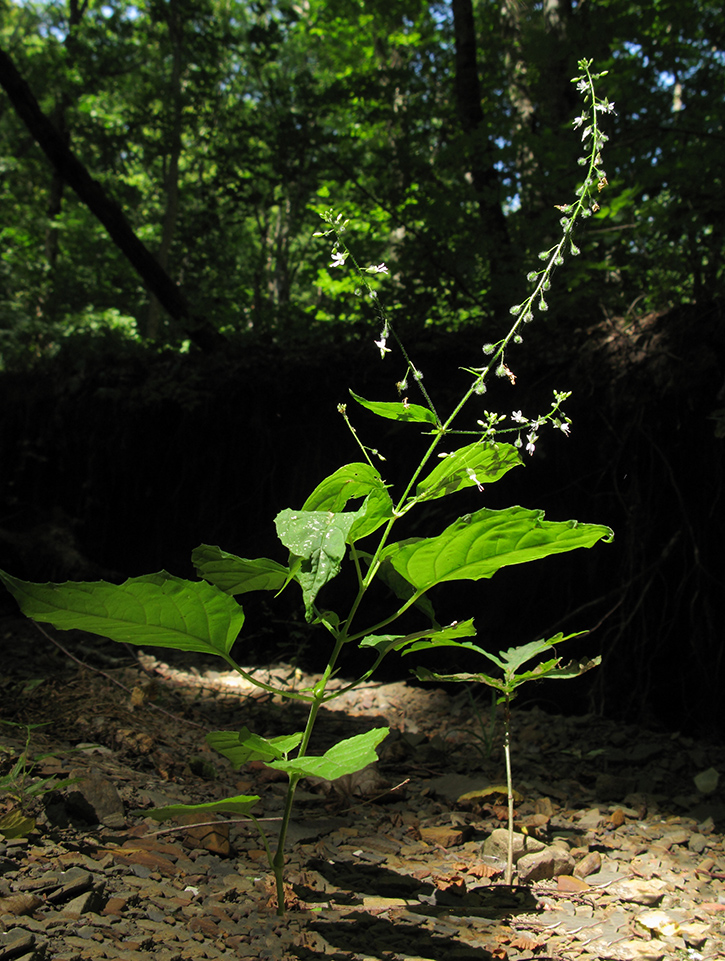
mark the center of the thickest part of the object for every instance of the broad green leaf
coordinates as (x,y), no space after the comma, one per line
(237,575)
(241,804)
(423,674)
(515,657)
(319,539)
(346,757)
(347,483)
(397,410)
(479,463)
(478,545)
(241,747)
(156,610)
(423,640)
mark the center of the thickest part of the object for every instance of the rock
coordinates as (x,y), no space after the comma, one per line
(16,943)
(89,901)
(639,892)
(628,950)
(20,904)
(95,799)
(548,863)
(611,787)
(496,845)
(569,884)
(697,843)
(446,836)
(591,820)
(73,882)
(589,864)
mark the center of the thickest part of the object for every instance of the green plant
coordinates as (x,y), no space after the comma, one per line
(203,615)
(21,787)
(510,663)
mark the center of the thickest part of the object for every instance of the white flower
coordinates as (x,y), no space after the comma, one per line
(380,269)
(380,344)
(472,476)
(531,445)
(518,418)
(565,429)
(338,259)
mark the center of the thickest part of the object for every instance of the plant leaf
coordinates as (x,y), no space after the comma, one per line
(397,410)
(156,610)
(515,657)
(241,804)
(423,674)
(319,539)
(237,575)
(478,545)
(241,747)
(423,640)
(349,482)
(346,757)
(479,463)
(15,824)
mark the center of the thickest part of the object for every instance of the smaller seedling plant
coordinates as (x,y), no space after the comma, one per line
(351,517)
(511,665)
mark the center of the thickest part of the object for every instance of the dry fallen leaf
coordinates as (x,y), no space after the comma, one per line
(489,791)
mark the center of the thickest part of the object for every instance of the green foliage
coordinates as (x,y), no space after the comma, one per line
(203,615)
(20,787)
(224,131)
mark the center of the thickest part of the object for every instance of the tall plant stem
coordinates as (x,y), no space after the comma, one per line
(277,862)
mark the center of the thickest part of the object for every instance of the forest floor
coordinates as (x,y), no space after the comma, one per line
(395,863)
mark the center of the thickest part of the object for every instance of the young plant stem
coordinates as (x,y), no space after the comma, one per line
(510,787)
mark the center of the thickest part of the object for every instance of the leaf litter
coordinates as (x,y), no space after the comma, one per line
(396,862)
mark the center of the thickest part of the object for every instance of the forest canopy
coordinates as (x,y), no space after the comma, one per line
(220,129)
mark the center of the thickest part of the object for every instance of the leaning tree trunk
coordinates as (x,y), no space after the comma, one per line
(171,178)
(92,194)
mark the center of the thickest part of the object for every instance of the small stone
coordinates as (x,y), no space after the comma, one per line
(639,892)
(590,821)
(589,864)
(569,884)
(95,797)
(89,901)
(496,845)
(444,836)
(610,787)
(697,843)
(706,781)
(544,806)
(16,943)
(549,863)
(628,950)
(20,904)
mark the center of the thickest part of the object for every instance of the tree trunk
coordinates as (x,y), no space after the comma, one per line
(92,194)
(480,154)
(171,180)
